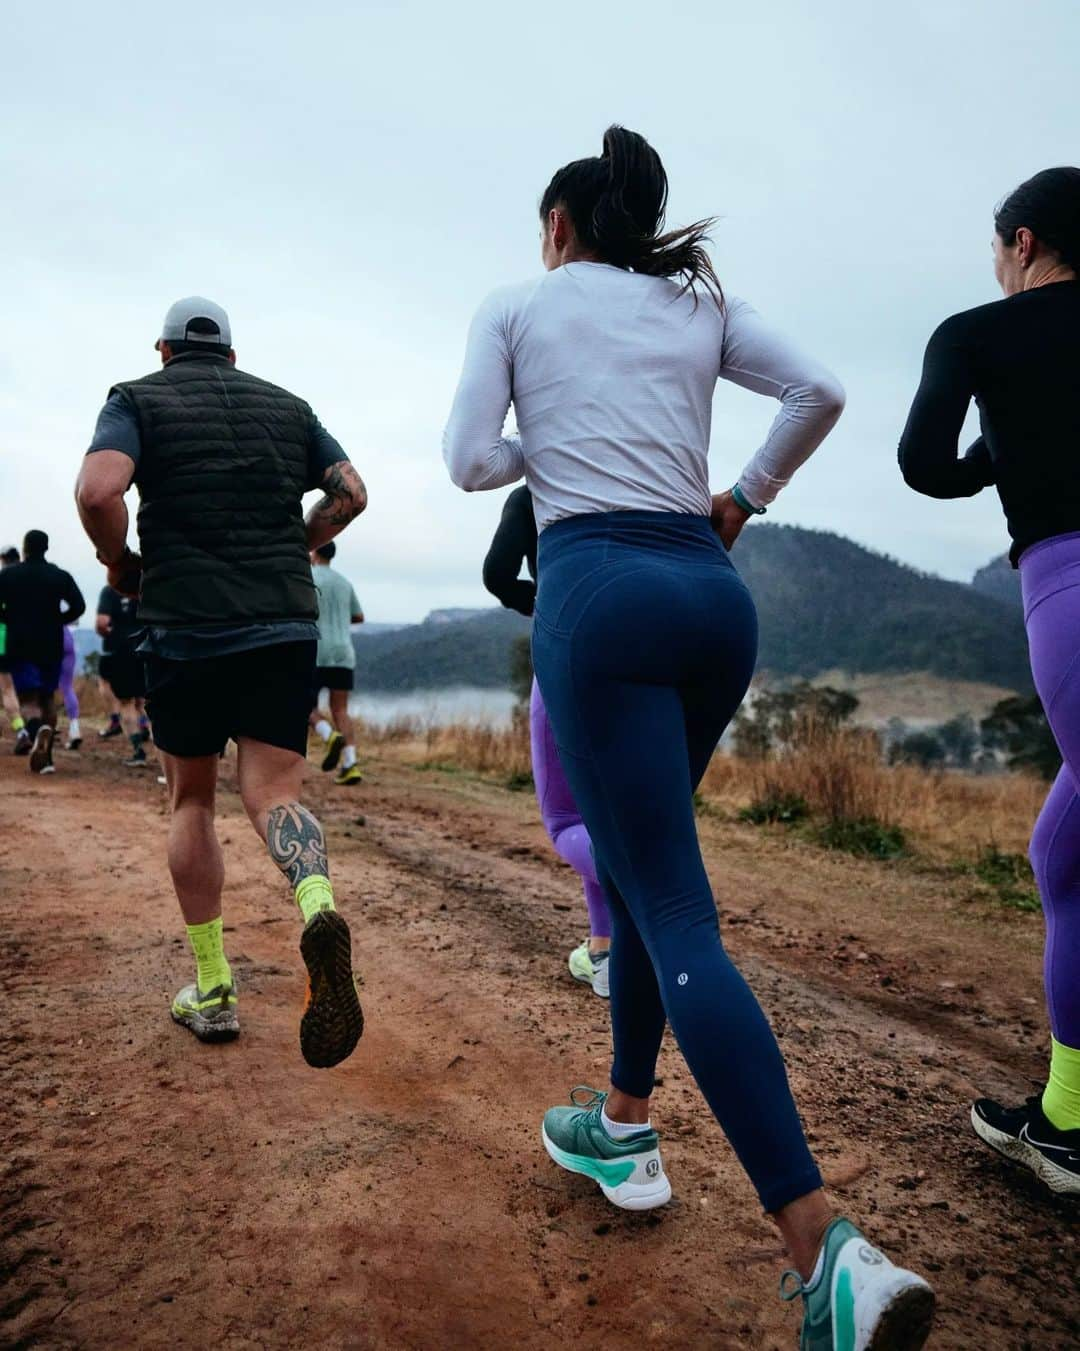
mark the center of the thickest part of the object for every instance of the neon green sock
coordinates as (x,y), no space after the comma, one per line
(18,723)
(207,944)
(314,893)
(1061,1097)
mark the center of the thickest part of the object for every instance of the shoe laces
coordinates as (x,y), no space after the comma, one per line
(588,1099)
(789,1291)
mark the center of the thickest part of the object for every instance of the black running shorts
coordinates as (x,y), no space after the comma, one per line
(332,678)
(125,674)
(264,693)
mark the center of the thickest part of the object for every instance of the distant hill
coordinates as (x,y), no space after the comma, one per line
(824,604)
(824,601)
(1001,580)
(440,652)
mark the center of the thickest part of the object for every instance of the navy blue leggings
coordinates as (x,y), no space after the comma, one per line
(644,643)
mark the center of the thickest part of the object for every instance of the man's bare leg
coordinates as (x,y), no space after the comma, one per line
(344,726)
(208,1007)
(270,782)
(10,699)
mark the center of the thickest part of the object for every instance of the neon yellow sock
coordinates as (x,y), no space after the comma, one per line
(18,723)
(314,893)
(1061,1097)
(207,944)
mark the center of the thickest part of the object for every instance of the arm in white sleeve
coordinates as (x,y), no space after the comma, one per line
(477,454)
(756,357)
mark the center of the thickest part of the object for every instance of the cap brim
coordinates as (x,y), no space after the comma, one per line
(157,345)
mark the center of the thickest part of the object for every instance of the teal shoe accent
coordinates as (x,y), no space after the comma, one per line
(860,1301)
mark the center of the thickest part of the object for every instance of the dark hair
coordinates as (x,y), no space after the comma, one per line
(36,544)
(617,200)
(327,550)
(1049,205)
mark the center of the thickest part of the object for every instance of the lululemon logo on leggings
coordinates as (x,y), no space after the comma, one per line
(683,977)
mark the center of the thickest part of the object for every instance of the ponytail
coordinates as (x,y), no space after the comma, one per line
(1049,206)
(617,202)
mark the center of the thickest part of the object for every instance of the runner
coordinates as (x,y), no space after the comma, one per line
(1019,358)
(514,543)
(222,460)
(8,696)
(338,609)
(611,367)
(122,667)
(67,690)
(36,600)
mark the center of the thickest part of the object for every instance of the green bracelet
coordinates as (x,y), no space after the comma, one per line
(741,501)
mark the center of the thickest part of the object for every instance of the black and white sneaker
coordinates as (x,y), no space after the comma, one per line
(1024,1135)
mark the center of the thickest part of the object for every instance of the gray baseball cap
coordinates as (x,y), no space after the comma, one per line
(196,319)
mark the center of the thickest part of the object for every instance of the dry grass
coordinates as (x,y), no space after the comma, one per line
(947,816)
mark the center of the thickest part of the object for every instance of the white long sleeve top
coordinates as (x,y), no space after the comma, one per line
(611,374)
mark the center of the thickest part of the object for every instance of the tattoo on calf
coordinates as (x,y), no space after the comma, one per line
(296,843)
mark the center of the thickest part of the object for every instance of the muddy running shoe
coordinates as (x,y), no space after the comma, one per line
(74,743)
(333,1019)
(23,742)
(629,1171)
(349,776)
(41,752)
(113,729)
(211,1016)
(591,968)
(860,1301)
(137,760)
(1024,1135)
(334,747)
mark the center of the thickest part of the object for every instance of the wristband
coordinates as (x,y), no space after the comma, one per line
(740,500)
(112,563)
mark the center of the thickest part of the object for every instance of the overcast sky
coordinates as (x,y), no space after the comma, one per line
(349,180)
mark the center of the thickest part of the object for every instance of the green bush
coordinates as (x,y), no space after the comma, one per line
(776,809)
(865,836)
(1010,877)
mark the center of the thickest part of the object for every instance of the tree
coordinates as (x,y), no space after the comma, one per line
(1018,726)
(780,719)
(91,666)
(918,748)
(960,739)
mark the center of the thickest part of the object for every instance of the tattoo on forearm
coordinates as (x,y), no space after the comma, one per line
(345,495)
(296,843)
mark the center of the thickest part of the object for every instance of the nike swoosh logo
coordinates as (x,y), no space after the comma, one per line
(1042,1144)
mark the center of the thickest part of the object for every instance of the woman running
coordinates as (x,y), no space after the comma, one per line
(514,543)
(644,641)
(1019,359)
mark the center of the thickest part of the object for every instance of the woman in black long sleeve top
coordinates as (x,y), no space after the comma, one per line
(1020,360)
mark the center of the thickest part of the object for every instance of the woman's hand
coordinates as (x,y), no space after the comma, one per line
(727,518)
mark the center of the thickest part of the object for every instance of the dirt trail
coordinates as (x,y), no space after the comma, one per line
(156,1192)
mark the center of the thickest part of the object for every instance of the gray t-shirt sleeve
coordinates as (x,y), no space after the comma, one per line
(324,452)
(117,428)
(355,608)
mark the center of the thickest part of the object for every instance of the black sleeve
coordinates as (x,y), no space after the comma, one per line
(323,451)
(928,458)
(514,543)
(73,597)
(105,602)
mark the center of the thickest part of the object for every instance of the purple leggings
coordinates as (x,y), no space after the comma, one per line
(560,816)
(1050,577)
(67,675)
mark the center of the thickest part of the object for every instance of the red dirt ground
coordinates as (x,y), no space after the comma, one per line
(159,1193)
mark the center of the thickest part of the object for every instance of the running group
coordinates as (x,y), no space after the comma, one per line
(610,359)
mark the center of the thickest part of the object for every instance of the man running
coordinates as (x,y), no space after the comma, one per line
(338,609)
(8,696)
(122,667)
(222,460)
(36,600)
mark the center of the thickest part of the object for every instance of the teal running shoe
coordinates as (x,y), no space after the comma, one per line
(860,1301)
(628,1171)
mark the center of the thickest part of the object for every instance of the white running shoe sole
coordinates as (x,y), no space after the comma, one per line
(645,1193)
(1059,1180)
